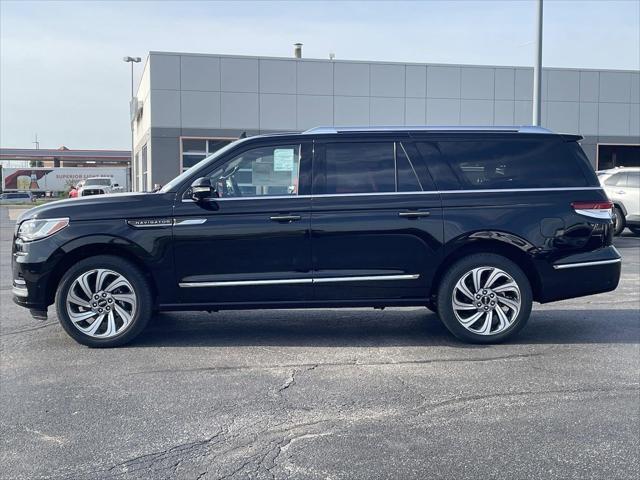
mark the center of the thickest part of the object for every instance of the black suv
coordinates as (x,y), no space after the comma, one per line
(475,224)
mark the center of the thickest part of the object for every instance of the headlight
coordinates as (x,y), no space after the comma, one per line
(31,230)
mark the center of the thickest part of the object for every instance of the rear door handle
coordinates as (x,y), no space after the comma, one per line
(285,218)
(414,214)
(621,192)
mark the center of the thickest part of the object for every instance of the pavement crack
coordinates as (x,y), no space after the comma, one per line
(24,330)
(312,366)
(475,398)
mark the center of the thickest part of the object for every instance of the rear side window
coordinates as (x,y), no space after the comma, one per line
(360,167)
(633,179)
(513,164)
(369,167)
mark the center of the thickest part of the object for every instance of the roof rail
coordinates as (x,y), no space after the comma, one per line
(423,128)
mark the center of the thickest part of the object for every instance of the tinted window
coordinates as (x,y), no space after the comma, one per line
(267,170)
(513,164)
(619,179)
(407,177)
(633,179)
(360,168)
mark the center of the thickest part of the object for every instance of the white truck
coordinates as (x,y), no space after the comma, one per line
(98,186)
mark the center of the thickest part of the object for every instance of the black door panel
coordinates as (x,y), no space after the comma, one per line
(239,242)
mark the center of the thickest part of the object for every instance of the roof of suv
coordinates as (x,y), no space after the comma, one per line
(422,128)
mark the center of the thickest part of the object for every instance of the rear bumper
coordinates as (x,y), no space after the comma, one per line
(580,275)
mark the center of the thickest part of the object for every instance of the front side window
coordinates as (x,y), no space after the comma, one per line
(261,171)
(513,164)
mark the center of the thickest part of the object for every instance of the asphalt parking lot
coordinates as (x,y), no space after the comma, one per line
(330,394)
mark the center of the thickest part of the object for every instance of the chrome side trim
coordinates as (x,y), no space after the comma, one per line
(586,264)
(20,291)
(365,278)
(240,283)
(179,222)
(515,190)
(376,194)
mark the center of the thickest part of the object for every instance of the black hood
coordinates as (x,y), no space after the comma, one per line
(105,207)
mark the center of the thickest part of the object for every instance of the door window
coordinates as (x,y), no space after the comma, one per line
(633,179)
(407,178)
(262,171)
(618,179)
(369,167)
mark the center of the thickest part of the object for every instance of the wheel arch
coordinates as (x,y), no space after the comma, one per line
(620,205)
(509,246)
(72,254)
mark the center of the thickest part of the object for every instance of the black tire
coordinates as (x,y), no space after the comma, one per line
(457,271)
(144,300)
(618,221)
(635,230)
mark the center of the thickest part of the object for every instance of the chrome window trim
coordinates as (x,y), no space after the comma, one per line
(431,192)
(586,264)
(240,283)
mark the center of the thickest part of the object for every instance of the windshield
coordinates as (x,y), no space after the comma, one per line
(98,181)
(173,184)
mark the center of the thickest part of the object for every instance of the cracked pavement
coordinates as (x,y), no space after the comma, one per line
(326,394)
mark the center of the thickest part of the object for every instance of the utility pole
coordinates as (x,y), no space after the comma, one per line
(537,70)
(36,142)
(134,167)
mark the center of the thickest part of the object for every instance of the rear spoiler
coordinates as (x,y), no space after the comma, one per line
(571,138)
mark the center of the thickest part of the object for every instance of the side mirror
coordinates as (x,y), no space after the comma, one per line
(116,185)
(202,190)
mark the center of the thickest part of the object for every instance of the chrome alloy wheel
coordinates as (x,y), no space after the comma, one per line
(101,303)
(486,300)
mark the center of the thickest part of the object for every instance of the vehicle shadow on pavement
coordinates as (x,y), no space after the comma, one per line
(357,328)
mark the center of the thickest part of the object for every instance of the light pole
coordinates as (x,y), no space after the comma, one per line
(134,167)
(537,71)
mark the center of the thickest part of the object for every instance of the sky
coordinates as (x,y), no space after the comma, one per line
(62,74)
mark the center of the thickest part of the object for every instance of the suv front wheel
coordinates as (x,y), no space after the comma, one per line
(484,298)
(103,301)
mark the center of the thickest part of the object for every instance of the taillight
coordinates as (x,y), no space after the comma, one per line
(601,210)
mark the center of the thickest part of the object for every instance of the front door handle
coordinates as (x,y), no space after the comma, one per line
(621,192)
(414,214)
(285,218)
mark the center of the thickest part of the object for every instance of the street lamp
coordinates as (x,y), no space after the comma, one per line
(537,69)
(132,60)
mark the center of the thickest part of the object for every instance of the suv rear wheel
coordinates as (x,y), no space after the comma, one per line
(103,301)
(484,298)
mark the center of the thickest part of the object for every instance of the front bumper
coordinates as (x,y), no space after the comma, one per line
(581,274)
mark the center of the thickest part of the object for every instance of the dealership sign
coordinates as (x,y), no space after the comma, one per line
(57,179)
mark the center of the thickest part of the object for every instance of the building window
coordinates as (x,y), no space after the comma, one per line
(136,163)
(193,150)
(144,169)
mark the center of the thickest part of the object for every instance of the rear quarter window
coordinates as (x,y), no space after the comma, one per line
(504,164)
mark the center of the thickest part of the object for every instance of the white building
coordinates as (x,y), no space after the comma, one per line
(188,105)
